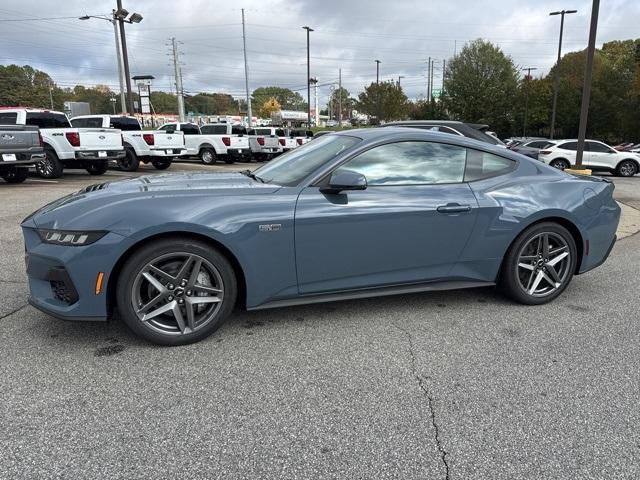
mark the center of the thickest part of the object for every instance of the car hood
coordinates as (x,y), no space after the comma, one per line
(115,198)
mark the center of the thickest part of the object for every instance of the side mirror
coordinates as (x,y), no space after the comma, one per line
(345,180)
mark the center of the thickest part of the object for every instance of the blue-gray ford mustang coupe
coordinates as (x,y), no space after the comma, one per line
(350,215)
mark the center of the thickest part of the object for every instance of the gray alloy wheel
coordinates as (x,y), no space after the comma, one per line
(559,163)
(626,168)
(50,166)
(539,264)
(544,264)
(130,162)
(177,293)
(207,156)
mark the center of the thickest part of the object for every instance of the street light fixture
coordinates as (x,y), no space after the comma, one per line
(113,21)
(309,30)
(556,81)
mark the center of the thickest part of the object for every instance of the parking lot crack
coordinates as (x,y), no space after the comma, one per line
(423,383)
(16,310)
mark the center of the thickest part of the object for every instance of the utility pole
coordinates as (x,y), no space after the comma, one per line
(400,77)
(125,58)
(340,97)
(429,79)
(309,30)
(123,102)
(246,72)
(178,75)
(317,112)
(377,72)
(444,69)
(51,94)
(527,79)
(556,80)
(586,89)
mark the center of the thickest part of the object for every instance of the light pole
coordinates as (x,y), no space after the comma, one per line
(309,30)
(122,16)
(400,77)
(112,20)
(377,72)
(526,98)
(586,89)
(556,80)
(113,104)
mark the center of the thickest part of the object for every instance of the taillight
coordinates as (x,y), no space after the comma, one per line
(226,141)
(73,138)
(544,152)
(282,141)
(260,140)
(149,138)
(40,139)
(299,141)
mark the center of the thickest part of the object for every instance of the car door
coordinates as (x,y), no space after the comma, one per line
(408,226)
(598,155)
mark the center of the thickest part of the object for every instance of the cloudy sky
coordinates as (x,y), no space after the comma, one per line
(349,34)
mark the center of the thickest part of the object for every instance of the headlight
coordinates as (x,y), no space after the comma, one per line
(70,237)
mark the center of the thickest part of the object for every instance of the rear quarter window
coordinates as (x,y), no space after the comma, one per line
(481,165)
(8,118)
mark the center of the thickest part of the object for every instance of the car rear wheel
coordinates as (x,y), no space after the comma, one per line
(559,163)
(626,168)
(98,167)
(208,156)
(176,291)
(15,175)
(50,167)
(539,264)
(161,164)
(130,162)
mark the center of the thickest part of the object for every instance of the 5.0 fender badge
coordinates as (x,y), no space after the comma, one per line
(271,227)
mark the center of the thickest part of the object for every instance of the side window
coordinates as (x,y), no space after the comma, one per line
(238,130)
(410,163)
(47,120)
(189,129)
(125,124)
(8,118)
(537,144)
(168,127)
(597,147)
(569,146)
(484,165)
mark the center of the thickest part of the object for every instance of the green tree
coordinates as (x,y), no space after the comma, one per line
(385,101)
(288,99)
(164,102)
(480,86)
(347,105)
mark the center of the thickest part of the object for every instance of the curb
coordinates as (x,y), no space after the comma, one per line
(629,221)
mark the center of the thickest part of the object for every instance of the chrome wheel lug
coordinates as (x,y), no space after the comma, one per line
(188,293)
(170,298)
(181,301)
(171,286)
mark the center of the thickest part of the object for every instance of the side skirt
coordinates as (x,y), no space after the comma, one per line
(372,292)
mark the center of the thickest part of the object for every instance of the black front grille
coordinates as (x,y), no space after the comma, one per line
(62,287)
(94,187)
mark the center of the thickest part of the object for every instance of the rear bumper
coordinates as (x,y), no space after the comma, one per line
(100,154)
(22,160)
(167,152)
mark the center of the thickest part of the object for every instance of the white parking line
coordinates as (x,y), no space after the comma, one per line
(41,180)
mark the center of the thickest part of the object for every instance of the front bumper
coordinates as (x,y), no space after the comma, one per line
(99,154)
(62,280)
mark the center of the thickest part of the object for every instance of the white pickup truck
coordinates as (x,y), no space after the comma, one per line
(264,143)
(155,147)
(209,147)
(65,146)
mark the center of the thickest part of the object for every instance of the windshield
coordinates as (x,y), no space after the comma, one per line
(291,168)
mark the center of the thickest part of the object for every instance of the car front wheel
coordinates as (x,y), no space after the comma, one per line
(176,291)
(539,264)
(208,156)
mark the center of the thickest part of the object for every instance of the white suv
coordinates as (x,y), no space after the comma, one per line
(597,156)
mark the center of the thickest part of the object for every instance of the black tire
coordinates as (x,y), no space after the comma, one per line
(559,163)
(161,164)
(130,162)
(207,156)
(97,167)
(51,166)
(136,264)
(15,175)
(626,168)
(511,275)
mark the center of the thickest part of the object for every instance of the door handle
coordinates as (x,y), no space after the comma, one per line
(454,208)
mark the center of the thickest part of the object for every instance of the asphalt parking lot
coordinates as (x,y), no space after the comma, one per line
(451,385)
